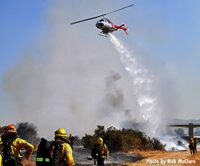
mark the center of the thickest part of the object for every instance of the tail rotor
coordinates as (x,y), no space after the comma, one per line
(124,28)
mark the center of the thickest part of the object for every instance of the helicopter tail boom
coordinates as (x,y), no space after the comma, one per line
(122,27)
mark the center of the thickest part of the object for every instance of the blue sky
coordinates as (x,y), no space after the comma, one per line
(167,33)
(20,23)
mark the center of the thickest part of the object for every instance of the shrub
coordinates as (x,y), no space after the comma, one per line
(122,140)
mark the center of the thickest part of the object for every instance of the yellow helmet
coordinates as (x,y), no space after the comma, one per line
(100,140)
(61,132)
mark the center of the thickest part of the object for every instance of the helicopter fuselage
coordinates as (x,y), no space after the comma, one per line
(105,25)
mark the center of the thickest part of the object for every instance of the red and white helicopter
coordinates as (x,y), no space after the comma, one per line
(105,24)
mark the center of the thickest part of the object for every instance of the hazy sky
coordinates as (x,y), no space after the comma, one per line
(36,61)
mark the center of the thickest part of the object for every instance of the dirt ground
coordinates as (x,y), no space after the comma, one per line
(158,158)
(166,158)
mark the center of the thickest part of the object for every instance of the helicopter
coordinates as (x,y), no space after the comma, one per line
(104,24)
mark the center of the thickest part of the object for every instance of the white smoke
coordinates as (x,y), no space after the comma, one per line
(143,85)
(66,81)
(174,143)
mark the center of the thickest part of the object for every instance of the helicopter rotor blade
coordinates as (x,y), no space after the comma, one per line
(87,19)
(91,18)
(119,9)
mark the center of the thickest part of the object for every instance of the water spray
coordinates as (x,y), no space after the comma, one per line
(142,82)
(146,97)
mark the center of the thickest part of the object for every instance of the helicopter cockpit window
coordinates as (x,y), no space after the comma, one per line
(109,21)
(101,20)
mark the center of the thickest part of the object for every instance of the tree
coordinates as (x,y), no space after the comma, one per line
(28,131)
(100,131)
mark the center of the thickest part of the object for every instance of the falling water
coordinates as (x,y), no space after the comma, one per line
(143,85)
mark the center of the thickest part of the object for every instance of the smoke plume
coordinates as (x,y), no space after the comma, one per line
(28,132)
(74,79)
(66,82)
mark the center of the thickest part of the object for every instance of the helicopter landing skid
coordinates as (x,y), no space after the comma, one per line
(103,35)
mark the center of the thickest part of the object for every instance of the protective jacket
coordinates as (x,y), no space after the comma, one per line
(100,151)
(14,146)
(62,154)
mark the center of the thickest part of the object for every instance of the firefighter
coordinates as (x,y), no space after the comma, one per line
(44,153)
(0,150)
(195,144)
(1,163)
(191,146)
(62,153)
(11,146)
(100,152)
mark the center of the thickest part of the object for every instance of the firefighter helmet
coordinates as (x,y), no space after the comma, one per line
(11,128)
(100,140)
(61,132)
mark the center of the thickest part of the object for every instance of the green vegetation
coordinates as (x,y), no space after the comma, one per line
(122,140)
